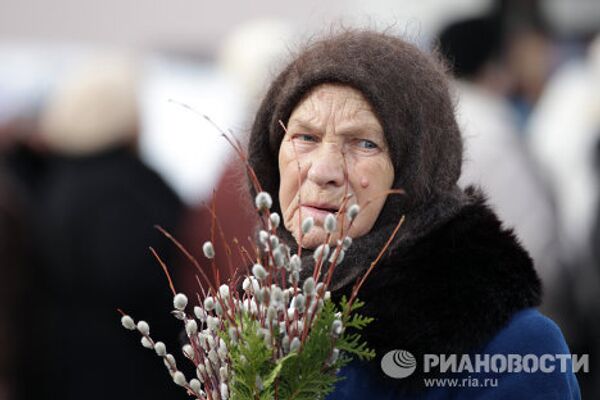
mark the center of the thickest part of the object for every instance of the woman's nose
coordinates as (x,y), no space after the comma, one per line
(327,167)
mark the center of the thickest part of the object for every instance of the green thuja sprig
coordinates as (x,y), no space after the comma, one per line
(257,376)
(250,362)
(352,343)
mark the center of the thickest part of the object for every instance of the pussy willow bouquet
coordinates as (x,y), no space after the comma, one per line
(275,337)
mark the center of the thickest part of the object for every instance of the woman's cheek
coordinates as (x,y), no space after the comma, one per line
(289,218)
(286,186)
(288,199)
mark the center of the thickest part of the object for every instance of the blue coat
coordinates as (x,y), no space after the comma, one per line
(528,332)
(467,287)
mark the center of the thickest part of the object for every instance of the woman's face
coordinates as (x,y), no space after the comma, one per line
(332,130)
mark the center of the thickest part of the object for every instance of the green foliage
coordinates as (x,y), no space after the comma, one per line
(251,361)
(308,374)
(351,343)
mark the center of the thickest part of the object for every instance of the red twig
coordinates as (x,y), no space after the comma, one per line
(190,257)
(213,262)
(216,224)
(237,147)
(375,262)
(243,252)
(165,269)
(201,287)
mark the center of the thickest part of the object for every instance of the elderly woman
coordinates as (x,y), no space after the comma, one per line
(366,112)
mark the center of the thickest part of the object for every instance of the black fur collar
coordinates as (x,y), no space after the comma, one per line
(452,290)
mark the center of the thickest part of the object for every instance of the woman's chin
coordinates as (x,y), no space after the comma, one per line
(314,238)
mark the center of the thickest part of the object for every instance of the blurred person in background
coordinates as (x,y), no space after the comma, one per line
(529,51)
(21,171)
(595,241)
(93,226)
(12,269)
(532,148)
(563,135)
(496,157)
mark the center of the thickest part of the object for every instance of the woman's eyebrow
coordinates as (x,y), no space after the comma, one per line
(360,129)
(344,130)
(303,124)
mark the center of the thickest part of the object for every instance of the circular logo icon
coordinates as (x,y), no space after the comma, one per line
(398,364)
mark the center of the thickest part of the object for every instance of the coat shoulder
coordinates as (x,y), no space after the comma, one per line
(529,332)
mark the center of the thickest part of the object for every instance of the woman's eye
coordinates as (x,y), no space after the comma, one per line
(367,144)
(304,137)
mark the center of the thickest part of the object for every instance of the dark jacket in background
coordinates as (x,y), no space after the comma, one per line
(94,224)
(13,263)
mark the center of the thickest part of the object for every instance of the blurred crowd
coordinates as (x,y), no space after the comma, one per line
(529,110)
(95,155)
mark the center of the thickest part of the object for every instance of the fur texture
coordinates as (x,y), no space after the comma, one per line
(450,292)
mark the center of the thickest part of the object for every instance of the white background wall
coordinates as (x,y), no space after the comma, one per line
(198,26)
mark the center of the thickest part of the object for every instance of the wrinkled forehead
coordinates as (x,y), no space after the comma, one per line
(337,104)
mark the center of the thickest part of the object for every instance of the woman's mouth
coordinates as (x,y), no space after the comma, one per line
(318,212)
